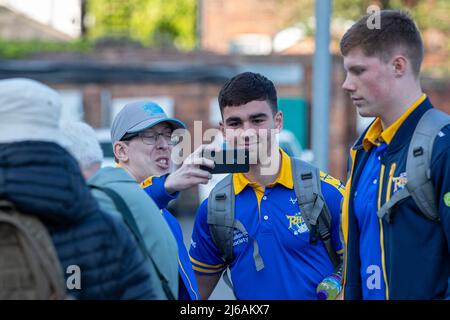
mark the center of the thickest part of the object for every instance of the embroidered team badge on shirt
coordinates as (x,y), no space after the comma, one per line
(296,224)
(400,182)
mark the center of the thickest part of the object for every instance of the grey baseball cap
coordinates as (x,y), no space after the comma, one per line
(138,116)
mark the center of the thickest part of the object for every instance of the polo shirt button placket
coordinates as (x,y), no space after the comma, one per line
(265,217)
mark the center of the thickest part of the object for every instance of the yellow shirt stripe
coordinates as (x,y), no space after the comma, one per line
(210,266)
(189,281)
(206,270)
(333,181)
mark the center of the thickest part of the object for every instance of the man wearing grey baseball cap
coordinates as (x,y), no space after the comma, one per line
(143,139)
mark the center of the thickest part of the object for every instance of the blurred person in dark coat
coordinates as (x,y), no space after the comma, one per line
(42,179)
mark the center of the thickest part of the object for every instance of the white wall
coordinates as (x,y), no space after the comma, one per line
(62,15)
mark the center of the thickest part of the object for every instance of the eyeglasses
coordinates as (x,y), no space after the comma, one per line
(150,138)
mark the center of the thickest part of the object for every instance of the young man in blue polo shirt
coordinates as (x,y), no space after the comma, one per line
(266,205)
(403,254)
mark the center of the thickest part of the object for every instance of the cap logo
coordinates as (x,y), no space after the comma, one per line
(152,109)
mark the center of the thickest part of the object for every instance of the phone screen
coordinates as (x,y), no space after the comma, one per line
(228,161)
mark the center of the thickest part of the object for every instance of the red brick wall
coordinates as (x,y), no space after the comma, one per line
(438,92)
(223,20)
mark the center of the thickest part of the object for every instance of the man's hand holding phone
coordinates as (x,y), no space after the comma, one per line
(199,166)
(190,173)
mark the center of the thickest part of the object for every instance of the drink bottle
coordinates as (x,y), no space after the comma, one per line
(330,287)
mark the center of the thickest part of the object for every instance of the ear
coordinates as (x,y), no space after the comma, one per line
(279,121)
(399,65)
(120,150)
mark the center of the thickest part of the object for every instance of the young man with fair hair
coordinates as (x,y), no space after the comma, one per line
(395,249)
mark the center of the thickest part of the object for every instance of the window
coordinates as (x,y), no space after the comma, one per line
(72,101)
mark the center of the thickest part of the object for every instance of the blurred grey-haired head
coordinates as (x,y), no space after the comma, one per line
(82,143)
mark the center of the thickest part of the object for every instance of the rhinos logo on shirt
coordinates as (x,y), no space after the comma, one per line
(400,182)
(296,224)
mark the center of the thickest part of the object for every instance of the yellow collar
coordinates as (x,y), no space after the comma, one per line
(240,181)
(375,133)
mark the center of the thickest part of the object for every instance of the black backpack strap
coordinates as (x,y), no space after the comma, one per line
(123,208)
(312,205)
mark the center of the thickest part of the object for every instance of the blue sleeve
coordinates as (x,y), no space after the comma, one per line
(333,192)
(440,175)
(173,225)
(205,256)
(154,187)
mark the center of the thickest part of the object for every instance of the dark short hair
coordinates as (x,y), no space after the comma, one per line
(397,30)
(246,87)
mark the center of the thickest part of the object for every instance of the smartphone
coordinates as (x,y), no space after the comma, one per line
(228,161)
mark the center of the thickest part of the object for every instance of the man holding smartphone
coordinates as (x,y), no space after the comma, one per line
(271,254)
(143,141)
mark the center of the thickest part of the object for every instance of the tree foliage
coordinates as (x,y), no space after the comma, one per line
(152,22)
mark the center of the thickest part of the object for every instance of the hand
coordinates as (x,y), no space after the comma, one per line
(190,174)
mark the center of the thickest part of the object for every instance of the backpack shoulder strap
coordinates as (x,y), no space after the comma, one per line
(221,217)
(222,222)
(307,188)
(419,160)
(123,208)
(312,205)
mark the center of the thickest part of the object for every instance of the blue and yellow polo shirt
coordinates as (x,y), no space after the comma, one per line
(367,201)
(292,267)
